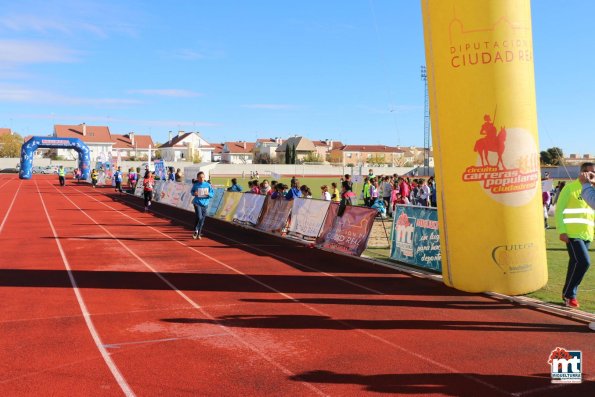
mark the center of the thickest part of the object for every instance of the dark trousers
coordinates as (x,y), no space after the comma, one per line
(201,214)
(119,186)
(148,197)
(578,252)
(61,179)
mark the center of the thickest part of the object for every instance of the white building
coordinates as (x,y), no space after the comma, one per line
(186,146)
(97,138)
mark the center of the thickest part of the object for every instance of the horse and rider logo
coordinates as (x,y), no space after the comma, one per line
(491,142)
(507,161)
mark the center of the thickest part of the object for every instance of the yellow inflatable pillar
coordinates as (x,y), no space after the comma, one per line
(479,57)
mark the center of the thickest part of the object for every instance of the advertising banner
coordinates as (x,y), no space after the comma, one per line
(481,83)
(138,191)
(415,238)
(349,233)
(158,190)
(176,193)
(307,217)
(214,203)
(249,208)
(160,169)
(274,215)
(228,206)
(186,198)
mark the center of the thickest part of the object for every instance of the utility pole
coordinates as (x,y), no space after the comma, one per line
(427,125)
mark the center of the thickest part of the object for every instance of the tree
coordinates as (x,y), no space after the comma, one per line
(552,156)
(287,155)
(313,157)
(196,158)
(557,155)
(545,158)
(377,159)
(293,155)
(10,145)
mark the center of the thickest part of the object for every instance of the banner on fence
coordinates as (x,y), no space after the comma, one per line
(176,193)
(186,197)
(228,206)
(157,189)
(415,238)
(249,208)
(349,233)
(307,216)
(215,201)
(274,215)
(140,188)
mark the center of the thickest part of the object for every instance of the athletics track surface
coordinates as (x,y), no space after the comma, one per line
(239,313)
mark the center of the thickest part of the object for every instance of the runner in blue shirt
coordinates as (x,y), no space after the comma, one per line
(202,192)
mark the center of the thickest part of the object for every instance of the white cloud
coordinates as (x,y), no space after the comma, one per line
(27,95)
(28,51)
(76,119)
(269,106)
(170,92)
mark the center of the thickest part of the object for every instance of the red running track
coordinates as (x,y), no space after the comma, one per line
(102,299)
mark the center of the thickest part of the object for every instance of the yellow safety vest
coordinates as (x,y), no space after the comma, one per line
(61,171)
(573,215)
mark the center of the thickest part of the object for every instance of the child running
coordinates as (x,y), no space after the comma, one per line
(202,192)
(148,184)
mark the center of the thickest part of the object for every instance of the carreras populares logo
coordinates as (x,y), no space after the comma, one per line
(507,164)
(566,366)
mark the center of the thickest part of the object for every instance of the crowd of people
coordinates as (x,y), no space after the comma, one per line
(383,192)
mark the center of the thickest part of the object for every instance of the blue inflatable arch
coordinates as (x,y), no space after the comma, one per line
(29,148)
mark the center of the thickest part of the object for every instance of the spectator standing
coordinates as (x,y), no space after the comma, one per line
(94,177)
(374,194)
(234,186)
(424,193)
(366,191)
(294,191)
(178,176)
(61,175)
(575,222)
(335,194)
(326,196)
(202,192)
(387,188)
(587,180)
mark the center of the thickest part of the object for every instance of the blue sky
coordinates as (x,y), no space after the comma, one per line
(238,70)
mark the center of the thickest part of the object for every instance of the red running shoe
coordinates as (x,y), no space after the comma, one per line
(571,302)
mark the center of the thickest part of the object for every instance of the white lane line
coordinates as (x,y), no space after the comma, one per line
(228,330)
(96,338)
(346,323)
(6,183)
(10,207)
(255,248)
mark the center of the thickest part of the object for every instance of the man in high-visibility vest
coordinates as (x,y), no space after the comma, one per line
(575,222)
(61,174)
